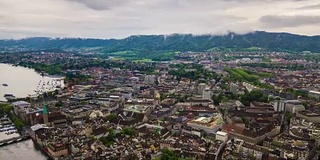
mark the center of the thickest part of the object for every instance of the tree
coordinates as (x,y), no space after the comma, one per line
(255,95)
(245,121)
(168,155)
(223,113)
(264,98)
(109,139)
(110,117)
(288,116)
(217,99)
(17,122)
(5,108)
(58,104)
(128,131)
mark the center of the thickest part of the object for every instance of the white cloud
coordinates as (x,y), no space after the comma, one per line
(121,18)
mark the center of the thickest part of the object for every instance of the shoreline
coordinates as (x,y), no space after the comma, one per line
(44,74)
(42,149)
(54,80)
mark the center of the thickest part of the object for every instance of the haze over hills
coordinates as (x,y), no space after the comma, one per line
(174,42)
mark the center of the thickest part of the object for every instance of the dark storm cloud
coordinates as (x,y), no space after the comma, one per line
(275,21)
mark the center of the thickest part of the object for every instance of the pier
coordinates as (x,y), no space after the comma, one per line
(13,140)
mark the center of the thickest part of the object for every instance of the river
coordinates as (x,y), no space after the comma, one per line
(24,150)
(23,81)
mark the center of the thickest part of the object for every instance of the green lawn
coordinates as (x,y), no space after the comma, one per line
(143,60)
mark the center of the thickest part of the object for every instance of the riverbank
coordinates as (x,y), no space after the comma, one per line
(23,82)
(24,150)
(10,141)
(7,129)
(40,72)
(43,150)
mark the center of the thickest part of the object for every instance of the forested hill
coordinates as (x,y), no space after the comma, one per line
(176,42)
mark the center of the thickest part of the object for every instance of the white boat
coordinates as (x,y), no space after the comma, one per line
(19,139)
(1,144)
(9,142)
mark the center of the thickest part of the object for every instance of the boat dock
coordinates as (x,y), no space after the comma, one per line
(13,140)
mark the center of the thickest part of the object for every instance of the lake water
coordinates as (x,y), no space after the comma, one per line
(24,81)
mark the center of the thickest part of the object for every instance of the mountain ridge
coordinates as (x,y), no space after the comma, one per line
(272,41)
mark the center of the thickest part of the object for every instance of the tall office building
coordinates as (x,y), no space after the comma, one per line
(279,105)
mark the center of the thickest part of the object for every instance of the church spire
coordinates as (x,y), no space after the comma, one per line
(45,113)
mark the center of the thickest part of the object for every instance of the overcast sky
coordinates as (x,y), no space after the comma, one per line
(122,18)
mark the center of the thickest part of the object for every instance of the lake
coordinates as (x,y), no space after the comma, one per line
(23,81)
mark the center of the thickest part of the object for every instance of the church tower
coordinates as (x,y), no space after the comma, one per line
(45,113)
